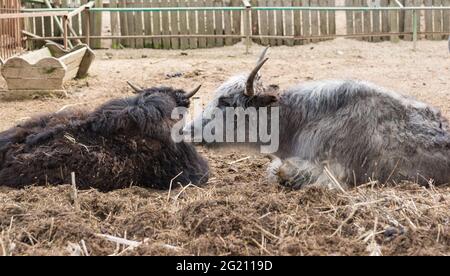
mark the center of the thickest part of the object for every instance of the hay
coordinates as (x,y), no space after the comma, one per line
(236,214)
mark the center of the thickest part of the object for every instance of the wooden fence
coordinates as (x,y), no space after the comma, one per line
(378,22)
(292,22)
(10,30)
(128,25)
(219,23)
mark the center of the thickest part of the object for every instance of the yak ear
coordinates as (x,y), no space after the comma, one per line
(262,100)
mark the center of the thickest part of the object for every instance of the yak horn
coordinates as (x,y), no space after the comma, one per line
(193,92)
(263,54)
(249,91)
(136,88)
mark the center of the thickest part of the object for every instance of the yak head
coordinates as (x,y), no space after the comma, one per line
(179,97)
(148,112)
(240,91)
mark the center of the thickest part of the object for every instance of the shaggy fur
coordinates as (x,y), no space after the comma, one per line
(125,142)
(363,132)
(352,130)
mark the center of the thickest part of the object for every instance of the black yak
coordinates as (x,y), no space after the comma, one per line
(341,132)
(125,142)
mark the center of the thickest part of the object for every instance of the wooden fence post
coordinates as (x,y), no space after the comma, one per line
(247,25)
(88,26)
(393,22)
(414,29)
(65,26)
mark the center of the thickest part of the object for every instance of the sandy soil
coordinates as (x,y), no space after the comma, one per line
(237,213)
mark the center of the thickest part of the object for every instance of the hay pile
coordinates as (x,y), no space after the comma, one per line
(237,213)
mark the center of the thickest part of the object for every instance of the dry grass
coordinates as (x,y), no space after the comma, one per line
(235,214)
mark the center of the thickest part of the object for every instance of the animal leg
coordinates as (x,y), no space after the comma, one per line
(294,173)
(297,173)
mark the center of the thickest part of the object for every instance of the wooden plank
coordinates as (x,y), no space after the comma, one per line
(165,25)
(71,73)
(272,30)
(428,18)
(306,30)
(30,28)
(279,21)
(218,23)
(48,26)
(227,21)
(85,64)
(31,57)
(376,28)
(77,8)
(419,3)
(331,18)
(247,26)
(288,23)
(297,22)
(393,22)
(130,24)
(156,20)
(39,27)
(123,23)
(62,4)
(237,15)
(76,23)
(437,18)
(147,24)
(201,15)
(192,20)
(31,72)
(314,20)
(323,20)
(401,19)
(210,24)
(138,24)
(358,18)
(96,25)
(41,57)
(83,21)
(33,84)
(183,21)
(263,23)
(384,19)
(367,21)
(255,21)
(408,20)
(114,17)
(73,57)
(446,18)
(174,29)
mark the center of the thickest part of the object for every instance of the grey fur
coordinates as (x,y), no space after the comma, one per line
(355,130)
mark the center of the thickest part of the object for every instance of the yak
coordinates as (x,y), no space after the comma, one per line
(341,131)
(123,142)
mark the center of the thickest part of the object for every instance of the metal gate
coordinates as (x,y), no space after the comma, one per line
(10,29)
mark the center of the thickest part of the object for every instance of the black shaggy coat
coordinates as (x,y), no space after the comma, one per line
(125,142)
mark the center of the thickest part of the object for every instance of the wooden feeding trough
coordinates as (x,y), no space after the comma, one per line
(42,72)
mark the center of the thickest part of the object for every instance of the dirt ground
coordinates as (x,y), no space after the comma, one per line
(238,212)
